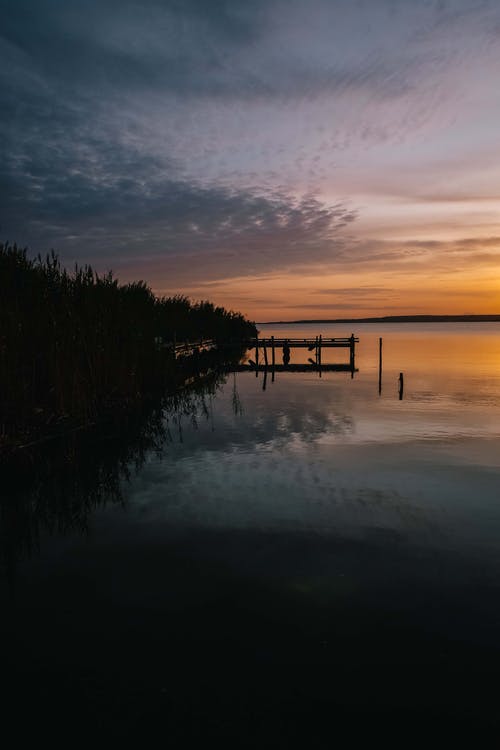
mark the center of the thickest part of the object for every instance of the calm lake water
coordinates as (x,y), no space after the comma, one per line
(303,560)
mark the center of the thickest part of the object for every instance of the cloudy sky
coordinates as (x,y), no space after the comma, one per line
(285,158)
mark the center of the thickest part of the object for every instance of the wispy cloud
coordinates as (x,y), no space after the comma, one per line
(105,202)
(204,141)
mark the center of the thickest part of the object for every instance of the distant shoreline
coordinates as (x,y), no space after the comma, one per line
(395,319)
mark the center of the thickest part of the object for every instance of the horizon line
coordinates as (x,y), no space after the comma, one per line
(426,318)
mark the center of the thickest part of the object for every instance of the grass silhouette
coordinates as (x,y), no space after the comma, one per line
(74,345)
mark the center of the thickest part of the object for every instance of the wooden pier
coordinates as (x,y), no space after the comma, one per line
(188,348)
(266,357)
(264,346)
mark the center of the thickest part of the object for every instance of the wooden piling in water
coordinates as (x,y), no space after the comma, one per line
(256,356)
(379,366)
(401,386)
(351,354)
(264,350)
(273,354)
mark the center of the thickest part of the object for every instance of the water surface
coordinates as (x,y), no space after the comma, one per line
(310,552)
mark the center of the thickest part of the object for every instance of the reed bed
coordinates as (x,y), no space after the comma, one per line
(74,345)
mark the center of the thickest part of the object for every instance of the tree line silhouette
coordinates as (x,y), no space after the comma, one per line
(74,345)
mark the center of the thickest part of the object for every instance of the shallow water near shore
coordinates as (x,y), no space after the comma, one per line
(311,551)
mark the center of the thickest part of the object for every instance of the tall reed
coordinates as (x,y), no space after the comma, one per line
(73,344)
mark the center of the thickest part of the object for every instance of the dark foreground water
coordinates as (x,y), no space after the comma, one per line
(310,562)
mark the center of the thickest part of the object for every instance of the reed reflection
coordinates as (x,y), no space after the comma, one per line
(55,486)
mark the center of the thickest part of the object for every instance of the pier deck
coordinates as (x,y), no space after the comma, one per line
(293,368)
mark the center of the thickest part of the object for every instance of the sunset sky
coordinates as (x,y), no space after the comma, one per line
(287,159)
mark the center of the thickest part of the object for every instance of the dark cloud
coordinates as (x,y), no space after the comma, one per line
(104,43)
(236,50)
(217,48)
(99,201)
(76,177)
(147,132)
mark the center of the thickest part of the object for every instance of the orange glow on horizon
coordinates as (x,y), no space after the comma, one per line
(352,295)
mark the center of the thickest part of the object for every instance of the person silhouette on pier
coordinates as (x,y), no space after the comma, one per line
(286,352)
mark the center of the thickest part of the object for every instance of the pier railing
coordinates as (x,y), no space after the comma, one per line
(309,343)
(188,348)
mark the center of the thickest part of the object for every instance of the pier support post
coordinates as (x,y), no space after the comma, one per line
(401,386)
(264,349)
(256,356)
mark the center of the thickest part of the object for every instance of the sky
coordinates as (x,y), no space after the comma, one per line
(288,159)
